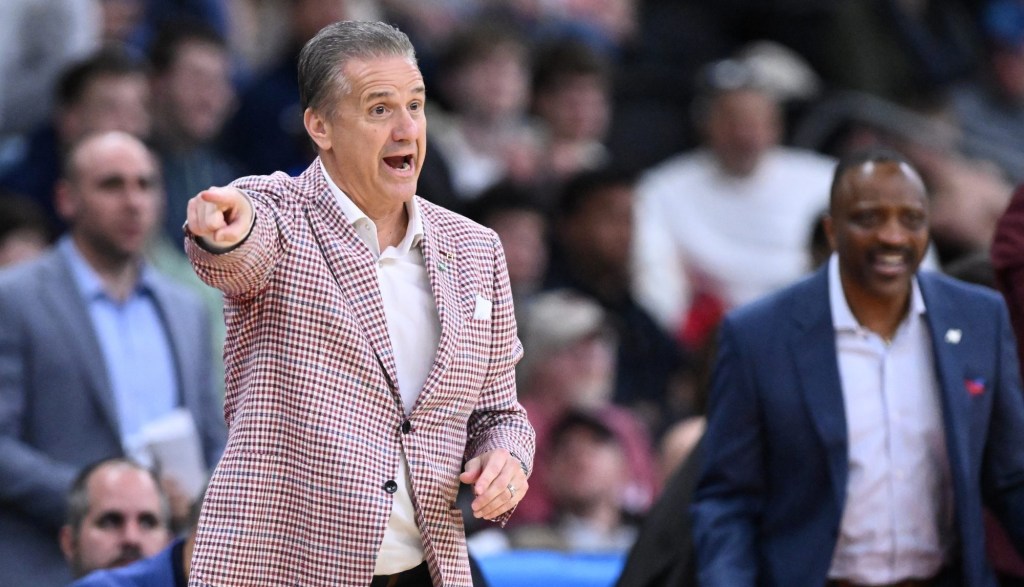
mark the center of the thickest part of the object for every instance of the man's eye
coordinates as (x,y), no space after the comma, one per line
(379,110)
(914,221)
(149,522)
(864,219)
(109,521)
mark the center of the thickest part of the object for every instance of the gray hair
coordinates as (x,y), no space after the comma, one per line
(323,58)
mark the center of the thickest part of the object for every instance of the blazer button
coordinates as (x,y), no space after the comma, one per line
(406,427)
(391,486)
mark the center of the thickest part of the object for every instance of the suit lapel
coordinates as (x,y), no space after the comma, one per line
(61,295)
(949,366)
(814,349)
(178,332)
(354,269)
(447,274)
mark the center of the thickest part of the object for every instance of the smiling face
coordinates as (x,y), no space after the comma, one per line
(374,141)
(879,227)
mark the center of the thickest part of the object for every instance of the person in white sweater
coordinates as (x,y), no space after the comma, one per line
(729,221)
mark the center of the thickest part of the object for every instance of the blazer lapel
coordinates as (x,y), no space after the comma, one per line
(66,304)
(178,331)
(949,366)
(814,349)
(353,266)
(448,278)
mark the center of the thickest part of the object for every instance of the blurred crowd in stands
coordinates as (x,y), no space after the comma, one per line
(648,164)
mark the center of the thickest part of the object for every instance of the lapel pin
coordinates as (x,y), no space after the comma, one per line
(442,266)
(953,335)
(975,386)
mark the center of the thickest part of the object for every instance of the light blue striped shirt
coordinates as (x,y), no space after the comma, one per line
(136,349)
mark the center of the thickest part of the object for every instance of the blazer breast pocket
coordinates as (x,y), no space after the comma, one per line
(482,309)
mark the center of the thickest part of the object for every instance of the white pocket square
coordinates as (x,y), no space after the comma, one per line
(482,311)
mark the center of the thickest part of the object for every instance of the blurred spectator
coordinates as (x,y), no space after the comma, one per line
(168,568)
(117,514)
(594,240)
(522,225)
(107,91)
(121,21)
(212,14)
(587,474)
(901,50)
(572,97)
(1007,264)
(37,40)
(24,230)
(485,136)
(192,98)
(727,223)
(570,364)
(990,108)
(266,133)
(132,24)
(1007,255)
(96,349)
(967,199)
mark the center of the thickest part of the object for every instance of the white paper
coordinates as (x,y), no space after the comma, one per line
(171,446)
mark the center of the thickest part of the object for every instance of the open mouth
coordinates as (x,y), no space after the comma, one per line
(399,162)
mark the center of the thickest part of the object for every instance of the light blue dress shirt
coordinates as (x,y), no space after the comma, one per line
(137,352)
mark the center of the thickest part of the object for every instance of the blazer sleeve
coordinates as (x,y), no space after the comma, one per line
(34,482)
(243,271)
(1003,465)
(499,421)
(730,490)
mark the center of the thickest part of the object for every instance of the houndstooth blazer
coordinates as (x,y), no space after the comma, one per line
(314,415)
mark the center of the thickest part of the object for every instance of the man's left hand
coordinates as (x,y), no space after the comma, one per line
(498,483)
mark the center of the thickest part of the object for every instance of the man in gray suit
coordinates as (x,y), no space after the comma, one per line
(94,347)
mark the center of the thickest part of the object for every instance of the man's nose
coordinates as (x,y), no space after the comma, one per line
(131,534)
(406,127)
(892,232)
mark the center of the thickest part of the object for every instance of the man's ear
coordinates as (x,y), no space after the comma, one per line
(318,128)
(64,201)
(830,233)
(67,542)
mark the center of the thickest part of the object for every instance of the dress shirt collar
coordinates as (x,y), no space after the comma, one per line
(356,216)
(88,281)
(842,317)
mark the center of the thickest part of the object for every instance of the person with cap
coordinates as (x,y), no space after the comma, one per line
(571,366)
(726,223)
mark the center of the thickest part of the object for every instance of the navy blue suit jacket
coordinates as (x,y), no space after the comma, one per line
(770,498)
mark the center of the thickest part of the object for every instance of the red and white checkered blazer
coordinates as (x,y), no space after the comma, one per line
(314,415)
